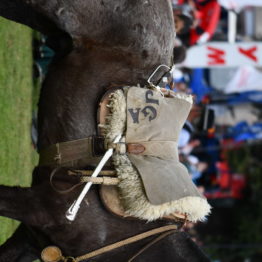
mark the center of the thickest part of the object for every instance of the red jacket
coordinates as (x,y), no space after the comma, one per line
(208,16)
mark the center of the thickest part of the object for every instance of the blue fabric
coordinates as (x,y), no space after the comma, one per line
(211,146)
(242,131)
(198,84)
(245,97)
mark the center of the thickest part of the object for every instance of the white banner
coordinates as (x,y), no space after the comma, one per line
(239,4)
(246,78)
(223,54)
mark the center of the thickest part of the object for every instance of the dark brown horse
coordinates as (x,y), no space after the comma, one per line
(100,43)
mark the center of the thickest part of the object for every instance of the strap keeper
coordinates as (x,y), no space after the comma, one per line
(135,148)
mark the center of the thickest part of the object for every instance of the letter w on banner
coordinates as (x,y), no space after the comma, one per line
(216,56)
(223,54)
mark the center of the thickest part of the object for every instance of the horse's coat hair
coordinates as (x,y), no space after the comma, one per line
(99,43)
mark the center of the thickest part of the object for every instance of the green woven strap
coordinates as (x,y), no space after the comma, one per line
(71,153)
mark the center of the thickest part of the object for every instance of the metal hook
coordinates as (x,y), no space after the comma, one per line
(149,79)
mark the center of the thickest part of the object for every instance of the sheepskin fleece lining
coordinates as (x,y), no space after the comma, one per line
(131,188)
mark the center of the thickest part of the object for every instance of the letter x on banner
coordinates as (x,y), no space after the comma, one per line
(223,54)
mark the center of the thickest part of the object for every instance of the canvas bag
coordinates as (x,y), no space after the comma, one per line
(153,183)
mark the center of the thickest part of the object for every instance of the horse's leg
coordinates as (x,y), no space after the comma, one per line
(17,247)
(44,16)
(21,11)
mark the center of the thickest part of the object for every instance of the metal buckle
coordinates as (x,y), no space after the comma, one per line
(98,146)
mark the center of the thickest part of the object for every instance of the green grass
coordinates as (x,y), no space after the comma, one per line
(16,152)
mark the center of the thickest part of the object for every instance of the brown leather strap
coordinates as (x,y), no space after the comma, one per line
(127,241)
(61,191)
(151,244)
(90,172)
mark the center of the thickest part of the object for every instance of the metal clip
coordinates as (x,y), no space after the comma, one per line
(149,79)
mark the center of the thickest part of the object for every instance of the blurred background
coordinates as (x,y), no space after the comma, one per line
(218,59)
(221,141)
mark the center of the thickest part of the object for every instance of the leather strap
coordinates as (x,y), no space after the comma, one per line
(127,241)
(151,244)
(54,254)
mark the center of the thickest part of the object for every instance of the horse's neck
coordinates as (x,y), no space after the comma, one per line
(124,51)
(67,111)
(69,98)
(74,85)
